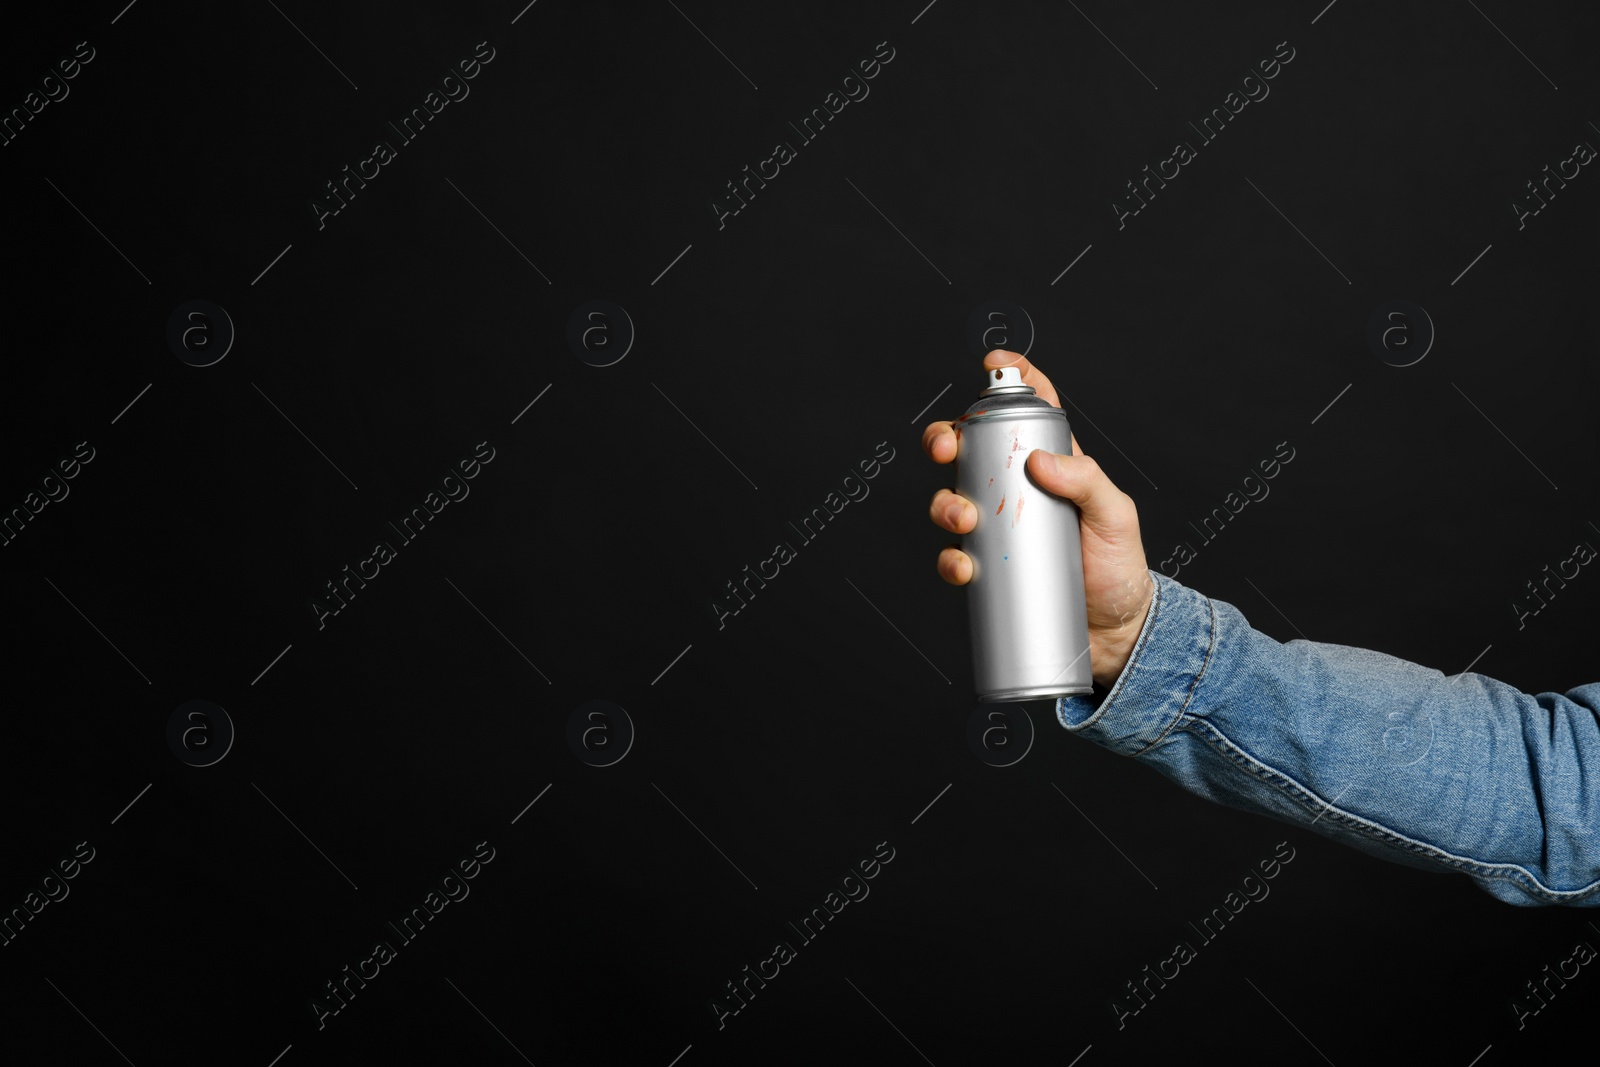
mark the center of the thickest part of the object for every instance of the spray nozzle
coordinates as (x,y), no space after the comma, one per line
(1006,380)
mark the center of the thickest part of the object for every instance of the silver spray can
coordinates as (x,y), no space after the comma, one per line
(1030,622)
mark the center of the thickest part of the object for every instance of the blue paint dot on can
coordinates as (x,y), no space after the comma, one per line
(1005,557)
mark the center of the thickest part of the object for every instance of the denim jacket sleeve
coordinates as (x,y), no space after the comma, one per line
(1461,773)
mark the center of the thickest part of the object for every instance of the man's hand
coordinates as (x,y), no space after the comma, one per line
(1116,579)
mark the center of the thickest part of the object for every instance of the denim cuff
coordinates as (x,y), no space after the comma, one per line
(1163,671)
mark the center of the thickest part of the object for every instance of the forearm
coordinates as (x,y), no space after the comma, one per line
(1462,773)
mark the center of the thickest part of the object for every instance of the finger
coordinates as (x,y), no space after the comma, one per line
(955,566)
(939,442)
(953,512)
(1080,479)
(1031,375)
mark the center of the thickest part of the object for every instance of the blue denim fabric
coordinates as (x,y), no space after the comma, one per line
(1461,773)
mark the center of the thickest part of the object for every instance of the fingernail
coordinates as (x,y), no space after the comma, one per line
(952,513)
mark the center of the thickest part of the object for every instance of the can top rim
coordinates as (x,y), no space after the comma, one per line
(1008,407)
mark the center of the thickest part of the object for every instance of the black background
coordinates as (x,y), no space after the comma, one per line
(771,356)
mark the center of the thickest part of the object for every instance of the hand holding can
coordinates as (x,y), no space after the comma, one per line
(1116,582)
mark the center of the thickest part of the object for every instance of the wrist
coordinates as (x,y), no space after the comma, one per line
(1111,648)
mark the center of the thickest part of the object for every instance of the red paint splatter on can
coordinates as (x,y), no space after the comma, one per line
(1018,516)
(1002,507)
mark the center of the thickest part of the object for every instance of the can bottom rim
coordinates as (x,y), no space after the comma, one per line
(1035,693)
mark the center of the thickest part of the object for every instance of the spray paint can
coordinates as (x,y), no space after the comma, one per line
(1030,621)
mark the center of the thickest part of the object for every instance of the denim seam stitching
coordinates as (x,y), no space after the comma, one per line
(1287,786)
(1188,698)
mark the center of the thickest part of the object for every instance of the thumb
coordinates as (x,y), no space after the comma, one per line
(1105,509)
